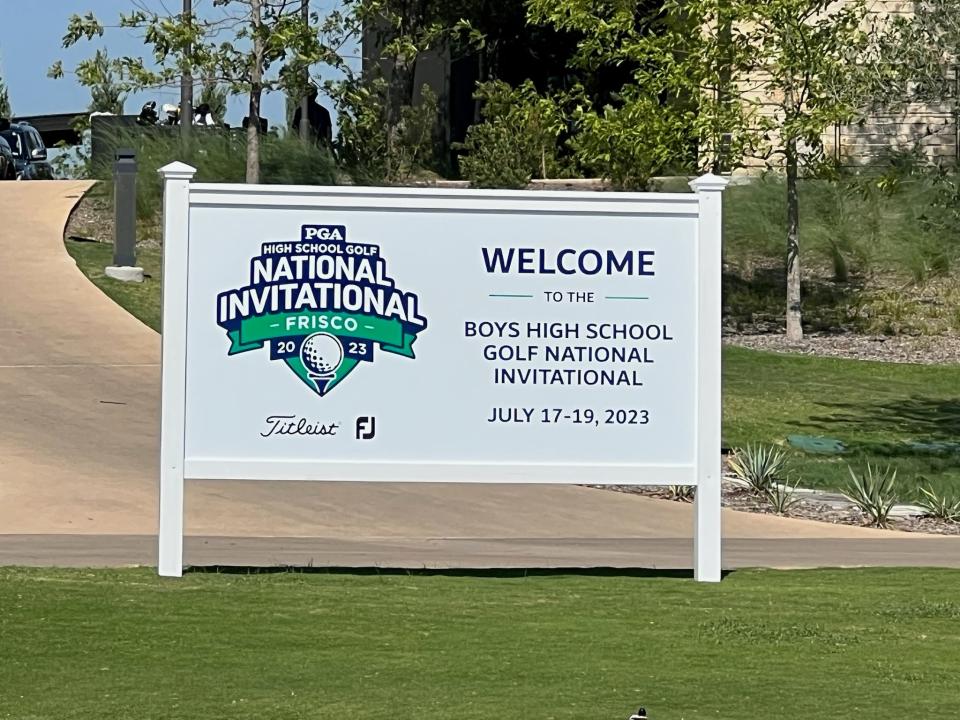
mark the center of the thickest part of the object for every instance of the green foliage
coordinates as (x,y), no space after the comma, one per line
(219,156)
(671,105)
(942,507)
(631,142)
(6,110)
(388,134)
(497,157)
(106,91)
(247,46)
(874,492)
(517,139)
(215,95)
(217,45)
(681,493)
(922,49)
(371,148)
(813,60)
(758,467)
(718,79)
(782,497)
(901,224)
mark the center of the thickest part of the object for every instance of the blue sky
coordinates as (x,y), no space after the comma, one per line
(30,42)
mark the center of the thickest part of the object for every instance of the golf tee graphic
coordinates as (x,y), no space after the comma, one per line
(322,305)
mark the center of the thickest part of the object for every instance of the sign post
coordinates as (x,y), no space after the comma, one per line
(427,335)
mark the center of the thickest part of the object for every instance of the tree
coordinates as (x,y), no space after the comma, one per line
(6,111)
(671,113)
(377,108)
(248,46)
(810,61)
(924,49)
(738,77)
(106,92)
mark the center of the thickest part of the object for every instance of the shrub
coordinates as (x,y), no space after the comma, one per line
(758,468)
(940,507)
(518,138)
(631,142)
(376,149)
(874,492)
(495,157)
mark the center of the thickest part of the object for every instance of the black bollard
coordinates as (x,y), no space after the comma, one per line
(125,208)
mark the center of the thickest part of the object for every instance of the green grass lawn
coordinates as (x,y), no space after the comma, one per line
(874,408)
(142,300)
(761,645)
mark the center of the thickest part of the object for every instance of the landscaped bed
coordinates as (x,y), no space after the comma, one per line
(829,645)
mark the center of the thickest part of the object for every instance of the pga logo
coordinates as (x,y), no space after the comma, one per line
(323,232)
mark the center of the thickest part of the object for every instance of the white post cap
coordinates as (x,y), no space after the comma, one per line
(177,171)
(709,183)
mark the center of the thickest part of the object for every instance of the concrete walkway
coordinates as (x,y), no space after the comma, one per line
(79,399)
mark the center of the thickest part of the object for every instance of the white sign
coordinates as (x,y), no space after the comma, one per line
(422,335)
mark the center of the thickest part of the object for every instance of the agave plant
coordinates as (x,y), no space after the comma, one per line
(940,507)
(681,493)
(874,492)
(759,468)
(782,497)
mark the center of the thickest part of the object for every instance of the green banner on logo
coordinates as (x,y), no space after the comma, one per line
(254,331)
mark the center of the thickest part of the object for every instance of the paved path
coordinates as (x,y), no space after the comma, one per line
(477,553)
(79,387)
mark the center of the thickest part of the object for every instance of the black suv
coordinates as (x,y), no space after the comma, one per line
(29,152)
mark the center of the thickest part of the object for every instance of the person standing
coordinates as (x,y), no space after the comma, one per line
(318,119)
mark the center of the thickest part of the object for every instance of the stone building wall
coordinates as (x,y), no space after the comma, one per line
(931,127)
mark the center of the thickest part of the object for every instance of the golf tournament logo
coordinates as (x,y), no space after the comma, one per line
(322,305)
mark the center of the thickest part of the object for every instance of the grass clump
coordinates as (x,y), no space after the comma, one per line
(782,497)
(220,156)
(877,254)
(939,506)
(874,492)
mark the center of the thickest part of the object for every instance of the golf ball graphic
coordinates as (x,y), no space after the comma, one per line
(321,354)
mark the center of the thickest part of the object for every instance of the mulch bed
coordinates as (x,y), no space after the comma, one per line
(925,350)
(807,508)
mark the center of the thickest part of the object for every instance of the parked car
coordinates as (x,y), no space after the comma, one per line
(29,152)
(8,165)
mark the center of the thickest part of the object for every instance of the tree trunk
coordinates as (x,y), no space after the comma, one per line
(794,312)
(256,90)
(304,101)
(186,84)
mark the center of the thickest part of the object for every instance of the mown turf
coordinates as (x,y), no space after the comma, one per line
(762,644)
(874,408)
(142,300)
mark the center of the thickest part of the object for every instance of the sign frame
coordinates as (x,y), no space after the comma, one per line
(704,204)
